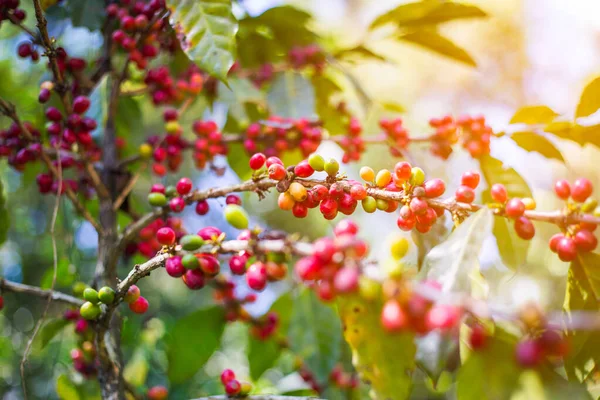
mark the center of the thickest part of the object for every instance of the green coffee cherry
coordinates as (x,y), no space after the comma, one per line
(190,261)
(316,162)
(157,199)
(78,288)
(369,204)
(382,204)
(89,310)
(417,176)
(91,295)
(106,295)
(191,242)
(236,216)
(589,205)
(332,167)
(171,191)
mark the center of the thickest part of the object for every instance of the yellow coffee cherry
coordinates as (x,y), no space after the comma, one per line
(399,247)
(286,201)
(367,174)
(173,127)
(298,191)
(146,150)
(529,203)
(383,178)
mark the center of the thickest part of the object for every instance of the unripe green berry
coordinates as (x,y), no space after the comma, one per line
(106,295)
(332,167)
(236,216)
(316,162)
(78,288)
(191,242)
(171,191)
(369,204)
(157,199)
(91,295)
(89,310)
(589,205)
(417,176)
(382,204)
(190,261)
(399,248)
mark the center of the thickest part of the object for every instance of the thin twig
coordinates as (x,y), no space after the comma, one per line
(38,325)
(127,189)
(61,297)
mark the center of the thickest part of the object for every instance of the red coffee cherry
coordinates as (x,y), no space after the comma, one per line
(257,161)
(237,264)
(202,207)
(139,306)
(524,228)
(402,170)
(174,267)
(464,194)
(585,240)
(529,353)
(53,114)
(166,236)
(514,208)
(566,249)
(232,387)
(393,317)
(434,188)
(177,204)
(470,179)
(227,376)
(256,276)
(233,199)
(346,280)
(133,293)
(499,193)
(194,279)
(81,104)
(184,186)
(553,243)
(478,337)
(581,189)
(562,189)
(303,169)
(308,268)
(277,171)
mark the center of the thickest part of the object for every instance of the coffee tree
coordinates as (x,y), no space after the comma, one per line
(344,324)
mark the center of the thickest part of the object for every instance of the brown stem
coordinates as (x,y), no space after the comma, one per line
(15,287)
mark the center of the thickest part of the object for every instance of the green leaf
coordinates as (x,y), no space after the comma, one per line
(534,115)
(87,13)
(531,141)
(137,368)
(50,330)
(262,355)
(513,250)
(283,306)
(239,92)
(580,296)
(333,120)
(65,274)
(4,218)
(489,374)
(291,96)
(427,13)
(455,262)
(437,43)
(315,334)
(589,102)
(194,338)
(65,389)
(360,51)
(206,31)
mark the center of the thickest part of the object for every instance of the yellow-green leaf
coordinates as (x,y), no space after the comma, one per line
(534,115)
(360,52)
(65,389)
(206,30)
(531,141)
(513,250)
(437,43)
(50,330)
(137,368)
(589,102)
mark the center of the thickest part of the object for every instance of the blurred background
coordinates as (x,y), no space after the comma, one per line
(528,52)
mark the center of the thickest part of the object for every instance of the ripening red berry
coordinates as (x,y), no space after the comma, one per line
(303,169)
(434,188)
(585,240)
(406,224)
(358,192)
(1,303)
(274,160)
(524,228)
(256,276)
(24,50)
(158,393)
(133,293)
(442,316)
(202,207)
(53,114)
(393,317)
(464,194)
(346,280)
(177,204)
(418,206)
(566,249)
(184,186)
(81,104)
(307,268)
(139,306)
(194,279)
(499,193)
(553,243)
(44,95)
(581,189)
(323,249)
(562,189)
(174,267)
(237,264)
(277,171)
(470,179)
(233,199)
(166,236)
(402,170)
(227,376)
(478,337)
(299,210)
(529,353)
(157,188)
(257,161)
(232,387)
(514,208)
(345,227)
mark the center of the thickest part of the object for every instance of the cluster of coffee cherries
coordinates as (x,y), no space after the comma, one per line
(75,128)
(278,135)
(352,144)
(90,310)
(160,195)
(16,148)
(148,245)
(166,89)
(209,143)
(28,50)
(83,355)
(415,211)
(334,267)
(165,151)
(141,33)
(396,134)
(473,133)
(576,238)
(137,303)
(514,208)
(233,387)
